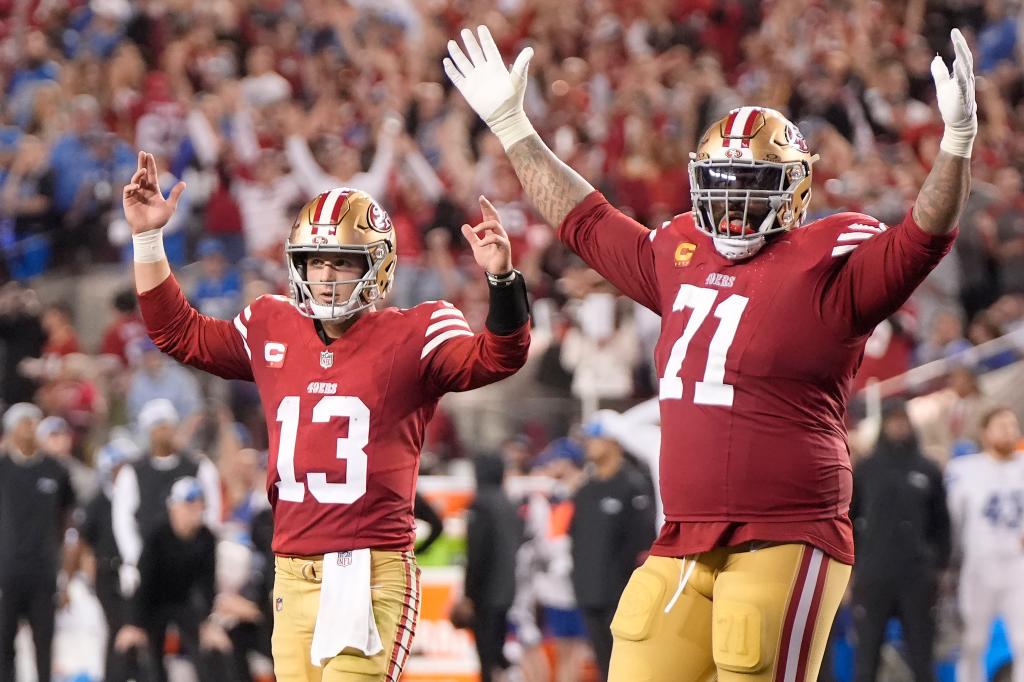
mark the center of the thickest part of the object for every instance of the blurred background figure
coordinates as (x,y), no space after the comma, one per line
(55,438)
(137,503)
(902,532)
(36,500)
(612,529)
(177,586)
(493,535)
(986,504)
(97,532)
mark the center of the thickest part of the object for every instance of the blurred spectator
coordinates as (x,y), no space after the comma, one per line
(954,422)
(611,530)
(61,337)
(71,392)
(946,339)
(903,544)
(55,439)
(26,194)
(549,551)
(157,376)
(126,331)
(97,530)
(21,337)
(601,353)
(36,68)
(984,328)
(493,534)
(36,500)
(986,504)
(137,506)
(218,291)
(177,586)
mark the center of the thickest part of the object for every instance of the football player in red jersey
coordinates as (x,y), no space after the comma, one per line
(764,321)
(348,391)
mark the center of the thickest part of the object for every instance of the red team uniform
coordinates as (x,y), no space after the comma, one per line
(346,422)
(756,360)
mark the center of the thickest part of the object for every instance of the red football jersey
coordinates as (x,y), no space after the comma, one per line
(756,360)
(346,420)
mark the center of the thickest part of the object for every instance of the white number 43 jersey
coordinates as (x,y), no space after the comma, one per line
(986,504)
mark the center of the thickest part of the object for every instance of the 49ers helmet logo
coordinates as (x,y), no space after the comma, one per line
(377,218)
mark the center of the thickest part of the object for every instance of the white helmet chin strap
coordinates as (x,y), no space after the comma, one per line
(737,249)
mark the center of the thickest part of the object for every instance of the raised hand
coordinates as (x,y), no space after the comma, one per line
(956,98)
(487,85)
(489,241)
(144,205)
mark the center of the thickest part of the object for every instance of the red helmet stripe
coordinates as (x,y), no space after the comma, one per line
(749,128)
(330,208)
(738,125)
(316,212)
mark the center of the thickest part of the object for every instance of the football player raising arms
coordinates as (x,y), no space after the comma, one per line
(347,390)
(764,320)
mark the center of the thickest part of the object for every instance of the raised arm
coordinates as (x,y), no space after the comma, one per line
(215,346)
(945,190)
(496,94)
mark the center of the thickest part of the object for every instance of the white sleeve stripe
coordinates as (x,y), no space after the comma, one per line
(450,322)
(242,332)
(446,312)
(843,250)
(441,338)
(247,313)
(855,236)
(867,228)
(241,327)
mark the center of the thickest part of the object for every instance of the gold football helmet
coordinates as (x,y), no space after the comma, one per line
(342,220)
(750,177)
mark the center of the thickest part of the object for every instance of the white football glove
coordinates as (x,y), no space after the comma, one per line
(495,94)
(955,94)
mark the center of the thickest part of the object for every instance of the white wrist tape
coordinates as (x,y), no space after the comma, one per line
(511,127)
(149,246)
(959,140)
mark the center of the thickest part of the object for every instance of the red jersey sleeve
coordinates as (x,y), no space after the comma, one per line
(615,245)
(873,269)
(453,358)
(178,329)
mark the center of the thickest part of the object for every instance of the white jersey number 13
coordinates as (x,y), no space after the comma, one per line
(351,449)
(713,390)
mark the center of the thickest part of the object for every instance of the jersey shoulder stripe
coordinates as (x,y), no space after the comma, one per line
(441,322)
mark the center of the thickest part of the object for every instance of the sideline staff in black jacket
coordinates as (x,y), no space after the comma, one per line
(612,528)
(36,500)
(493,535)
(903,543)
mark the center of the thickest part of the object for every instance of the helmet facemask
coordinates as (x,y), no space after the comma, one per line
(365,294)
(747,187)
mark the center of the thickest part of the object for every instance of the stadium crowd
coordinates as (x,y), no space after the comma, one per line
(260,105)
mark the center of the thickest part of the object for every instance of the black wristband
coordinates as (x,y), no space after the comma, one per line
(510,307)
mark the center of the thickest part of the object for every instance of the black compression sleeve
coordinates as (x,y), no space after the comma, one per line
(510,307)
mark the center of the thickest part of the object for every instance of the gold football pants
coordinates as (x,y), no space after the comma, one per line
(395,594)
(759,612)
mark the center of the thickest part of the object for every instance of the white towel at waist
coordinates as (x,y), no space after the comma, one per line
(345,618)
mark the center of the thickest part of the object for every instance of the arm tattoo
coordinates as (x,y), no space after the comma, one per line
(943,194)
(552,186)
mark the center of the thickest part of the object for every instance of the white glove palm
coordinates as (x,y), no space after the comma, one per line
(955,94)
(495,94)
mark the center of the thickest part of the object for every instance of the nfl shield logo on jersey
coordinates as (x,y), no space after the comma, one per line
(344,559)
(326,359)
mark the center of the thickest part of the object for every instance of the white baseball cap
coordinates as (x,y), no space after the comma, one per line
(156,412)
